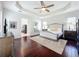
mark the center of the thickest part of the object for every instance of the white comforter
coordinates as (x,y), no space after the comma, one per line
(51,34)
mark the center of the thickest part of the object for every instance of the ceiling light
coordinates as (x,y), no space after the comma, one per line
(43,9)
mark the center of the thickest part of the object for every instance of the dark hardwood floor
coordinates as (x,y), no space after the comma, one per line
(34,49)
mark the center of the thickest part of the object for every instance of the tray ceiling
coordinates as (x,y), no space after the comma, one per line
(28,7)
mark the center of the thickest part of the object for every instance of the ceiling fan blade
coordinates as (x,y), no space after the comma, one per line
(47,10)
(37,8)
(42,3)
(50,5)
(18,5)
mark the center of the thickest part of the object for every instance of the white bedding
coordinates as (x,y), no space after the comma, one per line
(54,31)
(54,35)
(58,32)
(51,35)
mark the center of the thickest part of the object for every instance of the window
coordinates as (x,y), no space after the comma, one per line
(44,25)
(71,24)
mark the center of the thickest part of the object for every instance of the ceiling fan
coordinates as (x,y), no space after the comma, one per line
(44,7)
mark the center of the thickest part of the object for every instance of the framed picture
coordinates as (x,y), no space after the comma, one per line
(13,25)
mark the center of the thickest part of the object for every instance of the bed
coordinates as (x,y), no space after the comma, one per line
(54,31)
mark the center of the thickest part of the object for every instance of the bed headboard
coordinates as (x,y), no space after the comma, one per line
(56,26)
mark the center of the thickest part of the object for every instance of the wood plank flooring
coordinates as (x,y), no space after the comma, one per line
(34,49)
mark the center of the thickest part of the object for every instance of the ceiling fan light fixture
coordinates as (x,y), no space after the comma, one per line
(43,9)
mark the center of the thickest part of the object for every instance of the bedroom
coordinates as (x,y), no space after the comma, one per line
(58,25)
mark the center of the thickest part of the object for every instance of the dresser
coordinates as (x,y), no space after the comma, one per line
(70,35)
